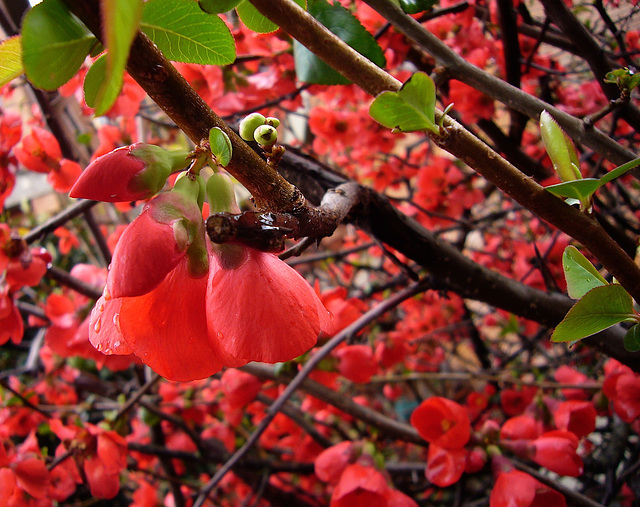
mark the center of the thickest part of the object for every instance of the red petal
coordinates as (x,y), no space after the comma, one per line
(32,476)
(104,329)
(445,466)
(166,328)
(146,252)
(263,310)
(102,483)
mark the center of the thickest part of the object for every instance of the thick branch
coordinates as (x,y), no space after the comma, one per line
(459,142)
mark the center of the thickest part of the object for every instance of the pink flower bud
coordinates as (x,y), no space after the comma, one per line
(129,173)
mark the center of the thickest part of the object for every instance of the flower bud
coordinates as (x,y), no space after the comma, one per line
(559,148)
(249,124)
(273,121)
(221,195)
(265,135)
(129,173)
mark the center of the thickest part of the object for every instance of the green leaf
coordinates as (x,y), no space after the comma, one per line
(619,171)
(220,146)
(121,19)
(184,33)
(54,44)
(218,6)
(416,6)
(10,59)
(94,79)
(409,109)
(631,340)
(310,68)
(576,189)
(599,309)
(580,274)
(253,20)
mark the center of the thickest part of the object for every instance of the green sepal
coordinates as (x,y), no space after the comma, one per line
(221,194)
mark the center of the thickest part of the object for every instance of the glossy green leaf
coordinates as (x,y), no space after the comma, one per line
(10,59)
(54,44)
(576,189)
(218,6)
(120,20)
(416,6)
(409,109)
(580,274)
(185,33)
(599,309)
(631,340)
(94,79)
(310,68)
(253,20)
(220,146)
(619,171)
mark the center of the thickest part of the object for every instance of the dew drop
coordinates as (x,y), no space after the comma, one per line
(99,347)
(101,308)
(97,325)
(116,322)
(220,335)
(116,344)
(107,351)
(107,295)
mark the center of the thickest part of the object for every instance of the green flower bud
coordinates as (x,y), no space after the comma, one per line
(265,135)
(273,121)
(220,194)
(249,124)
(191,186)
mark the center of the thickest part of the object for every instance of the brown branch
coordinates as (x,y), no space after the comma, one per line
(459,142)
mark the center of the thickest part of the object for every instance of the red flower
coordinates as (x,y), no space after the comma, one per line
(129,173)
(27,268)
(360,486)
(39,151)
(556,450)
(331,462)
(11,325)
(521,427)
(240,388)
(445,466)
(518,489)
(356,363)
(64,176)
(578,417)
(514,401)
(567,375)
(442,422)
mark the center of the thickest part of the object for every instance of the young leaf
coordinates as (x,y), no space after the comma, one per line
(54,44)
(576,189)
(310,69)
(218,6)
(619,171)
(559,148)
(185,33)
(220,146)
(599,309)
(580,274)
(631,340)
(416,6)
(253,20)
(94,78)
(121,21)
(409,109)
(10,59)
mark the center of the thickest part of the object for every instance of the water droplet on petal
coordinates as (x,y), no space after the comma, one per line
(116,344)
(107,295)
(220,335)
(107,351)
(116,322)
(97,325)
(99,347)
(101,308)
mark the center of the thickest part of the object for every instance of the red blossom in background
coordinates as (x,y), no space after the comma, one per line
(556,450)
(360,486)
(518,489)
(442,422)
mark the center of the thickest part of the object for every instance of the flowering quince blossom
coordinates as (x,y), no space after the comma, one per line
(39,151)
(180,303)
(518,489)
